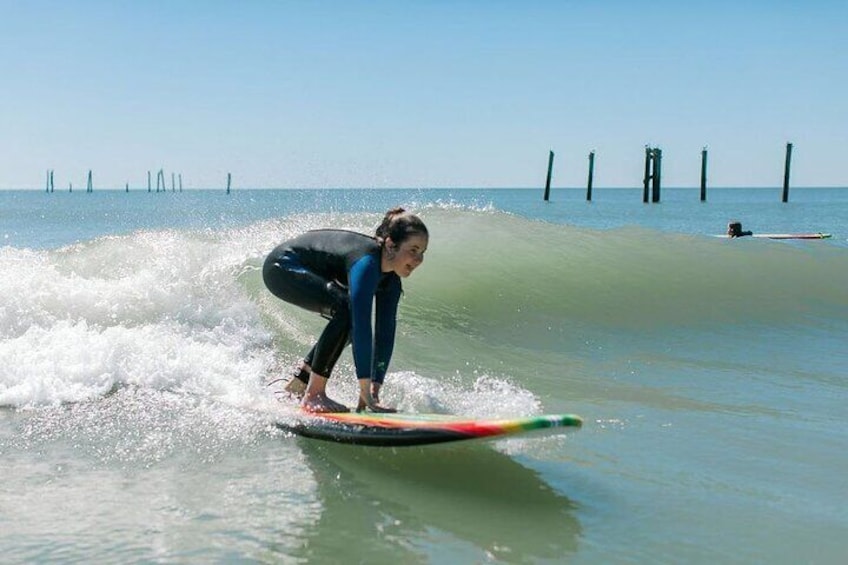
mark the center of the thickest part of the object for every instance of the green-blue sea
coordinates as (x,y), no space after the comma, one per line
(137,339)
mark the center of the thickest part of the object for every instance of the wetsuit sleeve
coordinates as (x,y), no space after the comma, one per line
(364,276)
(384,335)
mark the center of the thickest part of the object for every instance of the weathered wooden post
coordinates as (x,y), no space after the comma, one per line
(52,186)
(180,176)
(704,174)
(550,170)
(656,174)
(128,187)
(647,179)
(89,187)
(591,175)
(47,182)
(786,167)
(148,182)
(229,182)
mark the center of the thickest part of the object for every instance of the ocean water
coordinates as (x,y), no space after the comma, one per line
(137,339)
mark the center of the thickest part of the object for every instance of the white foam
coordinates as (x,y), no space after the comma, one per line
(162,310)
(483,397)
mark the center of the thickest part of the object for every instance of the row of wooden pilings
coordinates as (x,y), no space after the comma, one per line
(652,181)
(50,186)
(160,182)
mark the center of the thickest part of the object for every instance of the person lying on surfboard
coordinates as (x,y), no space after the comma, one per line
(340,274)
(734,229)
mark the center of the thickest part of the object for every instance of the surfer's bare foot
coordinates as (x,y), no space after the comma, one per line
(321,403)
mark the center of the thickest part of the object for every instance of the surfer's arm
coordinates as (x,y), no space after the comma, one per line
(364,276)
(384,334)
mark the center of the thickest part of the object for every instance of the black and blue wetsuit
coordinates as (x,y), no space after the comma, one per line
(337,274)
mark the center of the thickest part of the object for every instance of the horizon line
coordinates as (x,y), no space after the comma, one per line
(82,188)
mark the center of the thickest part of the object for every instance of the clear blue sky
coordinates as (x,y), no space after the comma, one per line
(429,93)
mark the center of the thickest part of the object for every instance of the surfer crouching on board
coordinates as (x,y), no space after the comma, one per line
(340,274)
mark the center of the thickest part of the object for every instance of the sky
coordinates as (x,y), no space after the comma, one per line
(421,94)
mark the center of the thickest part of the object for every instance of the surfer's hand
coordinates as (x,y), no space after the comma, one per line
(368,398)
(374,406)
(382,409)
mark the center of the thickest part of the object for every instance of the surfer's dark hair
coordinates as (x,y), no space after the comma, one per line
(399,225)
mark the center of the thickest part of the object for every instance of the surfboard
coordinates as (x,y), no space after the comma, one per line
(793,235)
(405,429)
(817,235)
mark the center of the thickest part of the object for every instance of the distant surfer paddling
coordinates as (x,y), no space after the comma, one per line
(734,229)
(343,275)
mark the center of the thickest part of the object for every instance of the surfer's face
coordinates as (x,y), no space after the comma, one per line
(405,257)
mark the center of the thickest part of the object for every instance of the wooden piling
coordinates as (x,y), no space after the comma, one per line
(47,182)
(786,167)
(180,177)
(148,182)
(52,186)
(229,182)
(591,175)
(704,174)
(173,183)
(128,187)
(548,181)
(656,174)
(89,187)
(647,179)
